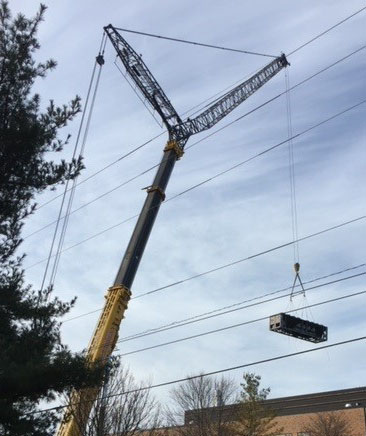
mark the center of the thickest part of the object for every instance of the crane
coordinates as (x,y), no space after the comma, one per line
(118,295)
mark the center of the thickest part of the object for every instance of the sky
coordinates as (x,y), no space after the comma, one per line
(239,214)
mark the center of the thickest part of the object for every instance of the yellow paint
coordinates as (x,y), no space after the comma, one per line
(101,347)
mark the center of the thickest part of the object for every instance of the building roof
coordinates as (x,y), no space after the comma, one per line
(319,402)
(300,404)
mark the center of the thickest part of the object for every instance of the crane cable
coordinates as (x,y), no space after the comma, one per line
(292,182)
(99,61)
(151,35)
(66,189)
(201,44)
(133,87)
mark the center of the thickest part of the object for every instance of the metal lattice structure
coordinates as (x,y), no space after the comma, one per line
(181,130)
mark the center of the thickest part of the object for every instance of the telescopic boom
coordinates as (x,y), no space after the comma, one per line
(117,296)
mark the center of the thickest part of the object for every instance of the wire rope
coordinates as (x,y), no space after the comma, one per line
(291,165)
(244,51)
(74,183)
(184,41)
(63,195)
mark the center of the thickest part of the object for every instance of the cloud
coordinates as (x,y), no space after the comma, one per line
(234,216)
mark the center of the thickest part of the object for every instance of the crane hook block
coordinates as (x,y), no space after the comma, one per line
(297,267)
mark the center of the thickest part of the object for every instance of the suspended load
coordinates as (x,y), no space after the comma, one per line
(298,328)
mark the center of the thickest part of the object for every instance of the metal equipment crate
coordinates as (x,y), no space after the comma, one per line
(298,328)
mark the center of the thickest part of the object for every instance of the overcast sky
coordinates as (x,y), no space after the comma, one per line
(239,214)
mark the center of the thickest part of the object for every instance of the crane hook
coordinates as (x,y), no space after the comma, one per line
(297,278)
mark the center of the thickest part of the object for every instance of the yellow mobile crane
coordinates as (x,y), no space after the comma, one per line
(117,297)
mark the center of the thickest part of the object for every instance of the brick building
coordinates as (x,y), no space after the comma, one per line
(296,412)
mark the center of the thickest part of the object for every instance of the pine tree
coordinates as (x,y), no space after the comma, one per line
(34,365)
(254,418)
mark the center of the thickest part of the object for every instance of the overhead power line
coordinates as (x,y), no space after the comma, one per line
(253,256)
(258,303)
(198,335)
(195,336)
(124,183)
(267,150)
(207,374)
(226,309)
(124,156)
(326,31)
(232,326)
(184,41)
(203,316)
(231,263)
(247,322)
(216,175)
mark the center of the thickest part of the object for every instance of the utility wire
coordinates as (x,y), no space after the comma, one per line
(155,137)
(238,50)
(215,269)
(212,315)
(184,41)
(202,316)
(253,256)
(267,150)
(124,156)
(209,179)
(232,326)
(202,139)
(152,139)
(242,323)
(207,374)
(326,31)
(220,311)
(188,147)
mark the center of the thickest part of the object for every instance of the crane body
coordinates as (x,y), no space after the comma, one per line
(117,297)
